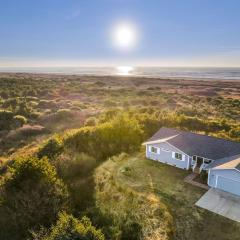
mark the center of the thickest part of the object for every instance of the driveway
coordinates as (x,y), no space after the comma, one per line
(222,203)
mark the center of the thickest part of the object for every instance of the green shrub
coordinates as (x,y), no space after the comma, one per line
(131,231)
(235,132)
(76,170)
(23,109)
(92,121)
(64,113)
(31,197)
(47,104)
(69,227)
(52,148)
(110,103)
(11,103)
(191,123)
(8,121)
(121,134)
(19,121)
(6,118)
(75,166)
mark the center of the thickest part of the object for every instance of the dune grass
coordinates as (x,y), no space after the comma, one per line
(156,196)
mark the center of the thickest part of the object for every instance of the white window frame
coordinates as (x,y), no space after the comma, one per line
(157,150)
(207,160)
(178,154)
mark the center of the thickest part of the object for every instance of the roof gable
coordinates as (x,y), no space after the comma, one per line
(233,164)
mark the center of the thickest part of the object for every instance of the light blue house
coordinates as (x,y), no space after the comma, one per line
(187,150)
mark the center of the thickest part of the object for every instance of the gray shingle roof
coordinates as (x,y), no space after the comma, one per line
(198,144)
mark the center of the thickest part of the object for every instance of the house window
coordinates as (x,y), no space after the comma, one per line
(154,150)
(165,150)
(194,158)
(207,161)
(178,156)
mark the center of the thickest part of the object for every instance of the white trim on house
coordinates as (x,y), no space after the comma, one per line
(159,140)
(149,148)
(216,181)
(188,162)
(209,175)
(217,169)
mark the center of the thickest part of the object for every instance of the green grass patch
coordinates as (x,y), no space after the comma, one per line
(155,195)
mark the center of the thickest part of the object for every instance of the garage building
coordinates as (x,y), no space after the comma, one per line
(225,175)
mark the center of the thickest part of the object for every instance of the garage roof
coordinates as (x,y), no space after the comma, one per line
(226,163)
(197,144)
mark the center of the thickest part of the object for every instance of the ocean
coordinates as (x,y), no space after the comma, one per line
(163,72)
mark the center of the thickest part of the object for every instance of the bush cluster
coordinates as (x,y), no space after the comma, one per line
(120,134)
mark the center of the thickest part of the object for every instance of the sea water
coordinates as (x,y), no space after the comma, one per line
(163,72)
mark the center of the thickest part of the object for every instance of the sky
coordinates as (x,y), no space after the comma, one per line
(79,32)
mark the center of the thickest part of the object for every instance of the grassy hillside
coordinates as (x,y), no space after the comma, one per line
(155,196)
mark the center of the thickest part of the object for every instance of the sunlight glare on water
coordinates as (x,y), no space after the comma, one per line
(124,70)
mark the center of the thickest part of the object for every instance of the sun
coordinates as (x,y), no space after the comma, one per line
(125,36)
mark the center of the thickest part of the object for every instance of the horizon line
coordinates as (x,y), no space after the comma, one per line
(207,62)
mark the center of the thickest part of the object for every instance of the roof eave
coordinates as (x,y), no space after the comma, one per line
(159,140)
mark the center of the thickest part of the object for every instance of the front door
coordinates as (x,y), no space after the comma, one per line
(199,161)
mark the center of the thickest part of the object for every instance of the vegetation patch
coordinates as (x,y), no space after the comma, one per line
(63,173)
(155,196)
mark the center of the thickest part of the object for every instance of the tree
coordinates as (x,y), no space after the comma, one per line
(31,197)
(69,227)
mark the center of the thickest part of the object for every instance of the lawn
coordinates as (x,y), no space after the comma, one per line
(155,195)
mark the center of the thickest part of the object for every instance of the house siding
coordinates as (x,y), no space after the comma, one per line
(167,156)
(225,179)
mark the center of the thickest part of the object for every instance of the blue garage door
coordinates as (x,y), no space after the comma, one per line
(228,185)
